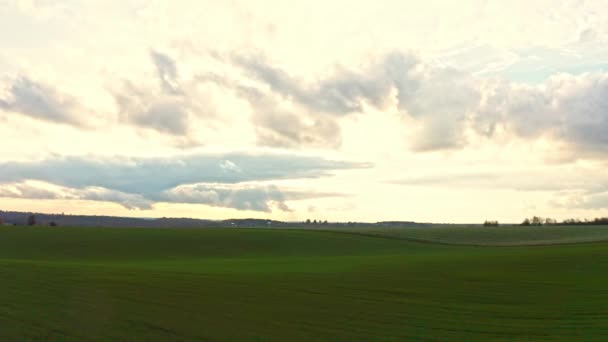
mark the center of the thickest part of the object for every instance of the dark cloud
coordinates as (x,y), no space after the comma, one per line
(139,182)
(167,72)
(42,102)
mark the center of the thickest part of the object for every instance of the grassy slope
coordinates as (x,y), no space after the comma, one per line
(492,236)
(69,283)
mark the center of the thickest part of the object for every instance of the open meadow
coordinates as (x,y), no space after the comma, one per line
(272,284)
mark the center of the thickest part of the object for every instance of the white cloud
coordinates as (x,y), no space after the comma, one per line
(254,197)
(44,191)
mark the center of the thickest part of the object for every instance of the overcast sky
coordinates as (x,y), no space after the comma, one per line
(443,111)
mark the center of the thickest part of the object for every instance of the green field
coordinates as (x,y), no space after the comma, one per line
(285,285)
(490,236)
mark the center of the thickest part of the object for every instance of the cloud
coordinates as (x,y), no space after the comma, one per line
(285,129)
(167,72)
(590,200)
(290,113)
(241,196)
(438,98)
(567,108)
(248,196)
(42,102)
(341,92)
(137,183)
(442,105)
(127,200)
(46,191)
(522,180)
(338,94)
(171,109)
(167,114)
(280,125)
(570,187)
(25,190)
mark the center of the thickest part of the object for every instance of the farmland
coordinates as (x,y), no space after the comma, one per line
(280,284)
(490,236)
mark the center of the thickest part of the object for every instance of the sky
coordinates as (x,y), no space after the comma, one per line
(431,111)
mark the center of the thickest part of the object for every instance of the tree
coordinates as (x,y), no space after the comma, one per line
(490,223)
(31,220)
(537,221)
(314,222)
(307,221)
(526,222)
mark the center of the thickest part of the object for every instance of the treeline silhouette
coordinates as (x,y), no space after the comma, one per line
(539,221)
(41,219)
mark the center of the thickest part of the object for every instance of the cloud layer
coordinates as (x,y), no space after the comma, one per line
(445,104)
(228,180)
(441,107)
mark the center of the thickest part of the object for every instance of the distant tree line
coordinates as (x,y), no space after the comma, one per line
(596,221)
(539,221)
(308,221)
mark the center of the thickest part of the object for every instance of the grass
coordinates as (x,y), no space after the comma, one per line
(257,284)
(490,236)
